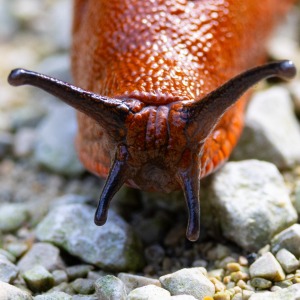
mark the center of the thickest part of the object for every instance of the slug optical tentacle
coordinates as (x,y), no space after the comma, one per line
(106,111)
(209,110)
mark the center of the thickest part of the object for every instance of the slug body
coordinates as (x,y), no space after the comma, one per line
(162,111)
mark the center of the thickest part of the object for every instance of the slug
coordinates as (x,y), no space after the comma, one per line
(162,82)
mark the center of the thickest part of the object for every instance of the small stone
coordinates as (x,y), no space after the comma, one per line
(63,287)
(284,283)
(17,248)
(13,216)
(233,267)
(59,276)
(222,296)
(79,236)
(43,254)
(261,283)
(267,267)
(261,139)
(78,271)
(218,252)
(266,207)
(288,239)
(149,292)
(54,296)
(8,271)
(83,286)
(134,281)
(38,279)
(54,146)
(290,293)
(24,142)
(238,296)
(10,292)
(247,294)
(287,260)
(85,297)
(199,263)
(110,288)
(188,281)
(7,255)
(217,273)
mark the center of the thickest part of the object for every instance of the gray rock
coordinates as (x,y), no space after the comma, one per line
(43,254)
(54,296)
(78,271)
(13,216)
(135,281)
(149,292)
(271,132)
(267,267)
(110,288)
(38,279)
(290,293)
(261,283)
(17,248)
(287,260)
(8,271)
(249,202)
(59,276)
(71,227)
(24,142)
(288,239)
(188,282)
(55,143)
(83,286)
(7,255)
(85,297)
(10,292)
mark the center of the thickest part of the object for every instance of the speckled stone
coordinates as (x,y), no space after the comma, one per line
(10,292)
(110,288)
(288,239)
(267,267)
(38,279)
(149,292)
(248,202)
(188,282)
(287,260)
(80,237)
(43,254)
(135,281)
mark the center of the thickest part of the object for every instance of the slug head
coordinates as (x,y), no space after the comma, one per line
(155,143)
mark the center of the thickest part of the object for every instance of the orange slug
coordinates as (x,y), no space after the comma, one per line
(159,84)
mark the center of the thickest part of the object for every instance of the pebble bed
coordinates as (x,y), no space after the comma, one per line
(51,249)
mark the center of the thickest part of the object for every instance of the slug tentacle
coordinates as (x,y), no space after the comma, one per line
(190,183)
(116,178)
(203,115)
(108,112)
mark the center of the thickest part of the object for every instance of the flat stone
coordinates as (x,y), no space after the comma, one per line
(135,281)
(54,296)
(149,292)
(290,293)
(288,239)
(188,282)
(249,202)
(13,216)
(54,146)
(38,279)
(43,254)
(267,267)
(8,271)
(110,287)
(78,271)
(269,117)
(10,292)
(72,228)
(287,260)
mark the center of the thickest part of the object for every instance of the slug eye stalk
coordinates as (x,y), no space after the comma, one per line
(201,117)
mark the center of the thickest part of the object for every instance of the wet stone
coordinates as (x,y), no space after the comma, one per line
(110,288)
(38,279)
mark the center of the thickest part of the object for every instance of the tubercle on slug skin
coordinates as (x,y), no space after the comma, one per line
(158,117)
